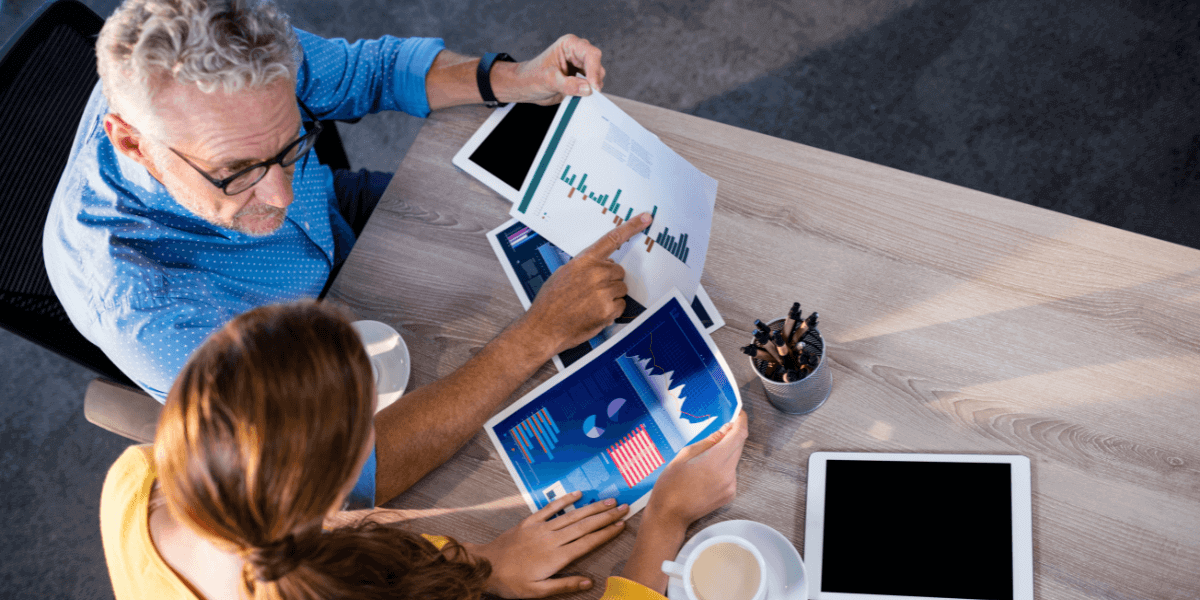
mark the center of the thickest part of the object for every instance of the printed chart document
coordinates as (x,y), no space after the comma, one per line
(599,168)
(529,259)
(610,422)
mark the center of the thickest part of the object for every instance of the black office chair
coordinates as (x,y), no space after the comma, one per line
(47,72)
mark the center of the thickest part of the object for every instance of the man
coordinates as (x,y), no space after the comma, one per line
(191,196)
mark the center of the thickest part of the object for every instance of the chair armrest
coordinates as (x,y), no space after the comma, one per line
(121,409)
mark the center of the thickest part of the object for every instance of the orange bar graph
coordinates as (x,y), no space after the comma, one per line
(571,193)
(650,245)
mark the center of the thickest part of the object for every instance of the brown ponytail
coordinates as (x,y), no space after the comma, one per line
(262,430)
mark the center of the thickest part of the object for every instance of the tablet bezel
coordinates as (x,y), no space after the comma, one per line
(1021,503)
(463,161)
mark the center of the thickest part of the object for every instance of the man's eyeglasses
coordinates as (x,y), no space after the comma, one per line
(246,178)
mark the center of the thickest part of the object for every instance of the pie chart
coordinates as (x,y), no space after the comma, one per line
(615,406)
(590,429)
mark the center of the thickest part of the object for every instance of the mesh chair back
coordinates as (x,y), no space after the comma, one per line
(47,72)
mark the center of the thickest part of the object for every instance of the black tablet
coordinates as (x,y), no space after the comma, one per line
(904,526)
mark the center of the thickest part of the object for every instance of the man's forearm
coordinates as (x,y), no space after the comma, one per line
(451,81)
(426,427)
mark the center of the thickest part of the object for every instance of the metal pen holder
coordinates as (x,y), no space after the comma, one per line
(808,394)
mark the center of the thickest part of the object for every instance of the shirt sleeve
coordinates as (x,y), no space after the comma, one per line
(363,494)
(619,588)
(151,340)
(341,80)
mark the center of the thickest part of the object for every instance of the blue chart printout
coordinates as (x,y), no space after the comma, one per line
(529,259)
(609,424)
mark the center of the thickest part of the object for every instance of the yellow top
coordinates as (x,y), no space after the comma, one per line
(139,572)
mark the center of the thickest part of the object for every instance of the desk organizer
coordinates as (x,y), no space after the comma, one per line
(808,394)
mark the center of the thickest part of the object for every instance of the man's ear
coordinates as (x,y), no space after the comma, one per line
(126,139)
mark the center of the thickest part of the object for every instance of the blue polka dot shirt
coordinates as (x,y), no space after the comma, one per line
(147,281)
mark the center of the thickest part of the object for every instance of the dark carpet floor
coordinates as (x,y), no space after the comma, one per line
(1091,108)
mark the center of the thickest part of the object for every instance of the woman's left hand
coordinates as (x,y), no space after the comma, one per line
(525,558)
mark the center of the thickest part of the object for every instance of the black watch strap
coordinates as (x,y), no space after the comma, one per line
(483,77)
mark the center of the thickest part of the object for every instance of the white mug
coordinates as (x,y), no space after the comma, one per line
(706,568)
(382,343)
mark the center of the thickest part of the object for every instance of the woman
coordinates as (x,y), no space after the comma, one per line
(261,440)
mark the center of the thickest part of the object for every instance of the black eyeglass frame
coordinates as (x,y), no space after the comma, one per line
(222,184)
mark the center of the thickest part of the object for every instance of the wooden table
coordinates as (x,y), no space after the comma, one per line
(957,322)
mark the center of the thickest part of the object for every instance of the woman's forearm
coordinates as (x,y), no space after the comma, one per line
(658,539)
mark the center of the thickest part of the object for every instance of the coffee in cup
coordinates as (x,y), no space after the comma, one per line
(725,571)
(724,567)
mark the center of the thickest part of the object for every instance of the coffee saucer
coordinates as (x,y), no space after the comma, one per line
(389,359)
(787,580)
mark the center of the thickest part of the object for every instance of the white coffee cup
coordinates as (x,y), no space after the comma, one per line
(389,359)
(724,567)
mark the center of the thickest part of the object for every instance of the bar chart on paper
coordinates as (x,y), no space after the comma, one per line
(610,203)
(539,432)
(600,168)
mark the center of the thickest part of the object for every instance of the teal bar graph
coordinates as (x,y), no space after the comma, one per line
(677,246)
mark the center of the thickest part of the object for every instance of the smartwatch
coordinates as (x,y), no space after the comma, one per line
(483,77)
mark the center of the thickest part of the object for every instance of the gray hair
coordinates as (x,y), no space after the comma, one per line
(227,45)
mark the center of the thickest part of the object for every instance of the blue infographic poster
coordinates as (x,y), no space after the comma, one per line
(610,423)
(530,259)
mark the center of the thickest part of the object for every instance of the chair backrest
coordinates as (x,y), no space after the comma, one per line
(47,72)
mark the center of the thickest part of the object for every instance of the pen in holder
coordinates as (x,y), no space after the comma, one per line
(808,393)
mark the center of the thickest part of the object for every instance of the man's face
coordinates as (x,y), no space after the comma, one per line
(222,134)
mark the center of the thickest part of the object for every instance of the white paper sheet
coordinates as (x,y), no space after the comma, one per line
(598,168)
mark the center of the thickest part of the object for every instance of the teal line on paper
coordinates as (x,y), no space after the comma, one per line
(541,170)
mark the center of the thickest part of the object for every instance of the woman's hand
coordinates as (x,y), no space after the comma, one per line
(699,480)
(702,478)
(525,557)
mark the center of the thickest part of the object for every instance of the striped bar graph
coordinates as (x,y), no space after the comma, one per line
(636,456)
(538,432)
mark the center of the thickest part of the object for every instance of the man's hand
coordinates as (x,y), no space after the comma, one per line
(525,557)
(586,294)
(548,77)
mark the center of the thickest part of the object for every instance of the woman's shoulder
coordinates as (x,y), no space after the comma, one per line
(128,478)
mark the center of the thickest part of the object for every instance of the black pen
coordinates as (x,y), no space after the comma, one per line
(770,369)
(758,353)
(762,326)
(768,347)
(762,337)
(789,324)
(798,332)
(784,351)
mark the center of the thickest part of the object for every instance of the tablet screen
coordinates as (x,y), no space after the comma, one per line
(931,529)
(508,151)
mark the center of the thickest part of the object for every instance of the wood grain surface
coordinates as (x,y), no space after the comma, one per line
(956,322)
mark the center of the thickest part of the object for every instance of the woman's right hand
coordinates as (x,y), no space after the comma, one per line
(701,478)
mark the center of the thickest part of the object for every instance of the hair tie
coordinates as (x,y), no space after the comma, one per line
(275,560)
